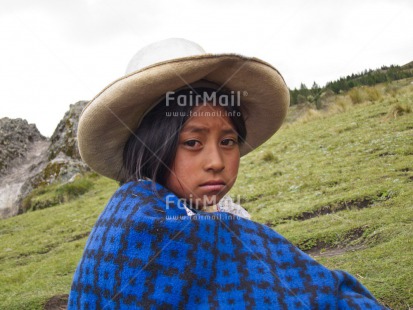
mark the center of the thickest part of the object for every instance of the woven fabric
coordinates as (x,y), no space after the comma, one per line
(144,252)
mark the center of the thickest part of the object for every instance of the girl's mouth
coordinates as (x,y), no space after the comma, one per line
(213,186)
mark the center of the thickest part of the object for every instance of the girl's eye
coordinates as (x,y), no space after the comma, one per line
(192,143)
(229,142)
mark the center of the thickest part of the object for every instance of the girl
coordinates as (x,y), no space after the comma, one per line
(172,131)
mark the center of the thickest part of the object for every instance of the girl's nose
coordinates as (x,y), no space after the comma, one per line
(214,159)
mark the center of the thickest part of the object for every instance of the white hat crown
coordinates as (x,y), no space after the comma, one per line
(161,51)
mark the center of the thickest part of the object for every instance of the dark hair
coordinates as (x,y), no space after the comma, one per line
(150,151)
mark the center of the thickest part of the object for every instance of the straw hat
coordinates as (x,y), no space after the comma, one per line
(109,119)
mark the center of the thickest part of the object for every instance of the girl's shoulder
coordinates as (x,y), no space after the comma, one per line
(142,197)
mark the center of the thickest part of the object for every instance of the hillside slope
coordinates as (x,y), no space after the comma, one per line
(338,185)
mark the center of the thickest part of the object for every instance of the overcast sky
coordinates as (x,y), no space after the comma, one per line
(56,52)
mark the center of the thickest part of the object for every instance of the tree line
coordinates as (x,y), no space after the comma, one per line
(365,78)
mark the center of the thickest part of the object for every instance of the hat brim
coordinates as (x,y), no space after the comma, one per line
(109,119)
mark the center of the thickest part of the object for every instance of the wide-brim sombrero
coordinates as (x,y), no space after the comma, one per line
(109,119)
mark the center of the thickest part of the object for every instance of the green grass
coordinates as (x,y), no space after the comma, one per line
(48,196)
(39,250)
(342,182)
(340,185)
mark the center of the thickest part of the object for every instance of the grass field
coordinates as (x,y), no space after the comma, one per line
(338,184)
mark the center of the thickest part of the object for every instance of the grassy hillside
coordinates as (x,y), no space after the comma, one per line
(338,183)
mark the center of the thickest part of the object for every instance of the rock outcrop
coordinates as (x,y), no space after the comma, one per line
(16,138)
(64,138)
(28,160)
(23,154)
(63,154)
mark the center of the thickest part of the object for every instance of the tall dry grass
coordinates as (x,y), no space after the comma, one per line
(398,109)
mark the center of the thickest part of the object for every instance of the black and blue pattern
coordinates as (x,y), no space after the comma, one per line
(144,252)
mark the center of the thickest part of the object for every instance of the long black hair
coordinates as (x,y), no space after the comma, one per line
(150,151)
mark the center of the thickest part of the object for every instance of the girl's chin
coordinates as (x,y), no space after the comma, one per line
(204,203)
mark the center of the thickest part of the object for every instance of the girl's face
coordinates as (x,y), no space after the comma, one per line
(207,157)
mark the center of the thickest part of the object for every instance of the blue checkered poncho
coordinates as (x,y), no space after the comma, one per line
(145,252)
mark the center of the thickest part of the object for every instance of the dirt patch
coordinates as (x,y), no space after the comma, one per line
(355,233)
(323,248)
(315,252)
(355,204)
(345,205)
(57,302)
